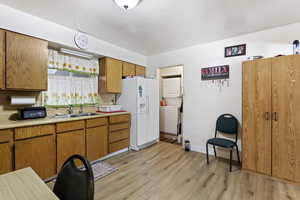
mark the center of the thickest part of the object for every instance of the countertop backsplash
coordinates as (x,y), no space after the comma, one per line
(7,110)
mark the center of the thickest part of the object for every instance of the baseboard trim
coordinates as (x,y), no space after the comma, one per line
(202,149)
(111,155)
(138,148)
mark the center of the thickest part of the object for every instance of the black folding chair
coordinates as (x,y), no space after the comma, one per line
(73,183)
(228,124)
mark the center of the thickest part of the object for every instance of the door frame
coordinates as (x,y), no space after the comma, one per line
(183,94)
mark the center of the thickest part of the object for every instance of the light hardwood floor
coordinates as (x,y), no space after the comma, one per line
(165,172)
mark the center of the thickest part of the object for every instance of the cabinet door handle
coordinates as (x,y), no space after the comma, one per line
(275,116)
(267,116)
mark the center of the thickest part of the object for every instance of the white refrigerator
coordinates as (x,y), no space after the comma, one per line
(140,96)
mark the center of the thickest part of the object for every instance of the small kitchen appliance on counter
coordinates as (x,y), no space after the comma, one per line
(32,113)
(109,108)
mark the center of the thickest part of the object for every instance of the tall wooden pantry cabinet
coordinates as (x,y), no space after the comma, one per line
(271,117)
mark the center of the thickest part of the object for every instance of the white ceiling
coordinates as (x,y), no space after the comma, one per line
(157,26)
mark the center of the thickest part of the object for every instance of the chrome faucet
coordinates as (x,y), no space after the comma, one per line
(70,109)
(81,109)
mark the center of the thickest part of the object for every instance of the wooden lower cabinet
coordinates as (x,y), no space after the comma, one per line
(68,144)
(45,148)
(96,142)
(119,132)
(6,158)
(6,145)
(37,153)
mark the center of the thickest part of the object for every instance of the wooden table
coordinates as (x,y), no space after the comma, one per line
(24,184)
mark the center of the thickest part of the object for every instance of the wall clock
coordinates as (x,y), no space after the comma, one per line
(81,40)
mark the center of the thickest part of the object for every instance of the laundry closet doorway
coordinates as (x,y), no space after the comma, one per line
(171,103)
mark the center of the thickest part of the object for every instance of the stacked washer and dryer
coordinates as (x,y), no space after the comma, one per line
(170,115)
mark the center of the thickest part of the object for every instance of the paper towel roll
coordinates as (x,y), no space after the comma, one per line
(22,100)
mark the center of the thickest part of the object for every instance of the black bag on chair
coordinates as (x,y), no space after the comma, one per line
(73,183)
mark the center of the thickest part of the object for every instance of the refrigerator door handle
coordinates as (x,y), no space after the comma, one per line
(147,102)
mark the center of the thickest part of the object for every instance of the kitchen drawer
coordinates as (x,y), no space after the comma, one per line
(69,126)
(116,127)
(118,135)
(119,119)
(96,122)
(34,131)
(6,135)
(116,146)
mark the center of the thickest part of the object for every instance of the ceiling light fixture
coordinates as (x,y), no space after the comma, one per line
(127,4)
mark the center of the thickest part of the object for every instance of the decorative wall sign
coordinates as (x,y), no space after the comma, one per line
(238,50)
(215,73)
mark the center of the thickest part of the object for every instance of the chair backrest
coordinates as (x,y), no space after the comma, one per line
(73,183)
(228,124)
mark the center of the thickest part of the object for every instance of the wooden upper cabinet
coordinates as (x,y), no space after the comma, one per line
(257,116)
(26,62)
(2,59)
(140,70)
(128,69)
(110,75)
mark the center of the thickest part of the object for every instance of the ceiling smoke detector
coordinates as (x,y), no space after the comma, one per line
(127,4)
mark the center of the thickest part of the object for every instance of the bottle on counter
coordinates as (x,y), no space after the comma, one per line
(296,49)
(163,102)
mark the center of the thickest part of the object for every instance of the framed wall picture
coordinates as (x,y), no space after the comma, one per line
(215,73)
(237,50)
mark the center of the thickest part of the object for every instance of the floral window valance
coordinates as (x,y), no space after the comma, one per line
(64,62)
(71,81)
(71,90)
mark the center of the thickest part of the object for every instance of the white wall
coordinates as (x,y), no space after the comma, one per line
(18,21)
(203,103)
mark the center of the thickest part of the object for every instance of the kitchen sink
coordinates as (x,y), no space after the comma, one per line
(76,115)
(83,114)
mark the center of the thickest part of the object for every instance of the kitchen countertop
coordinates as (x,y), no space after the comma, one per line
(7,124)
